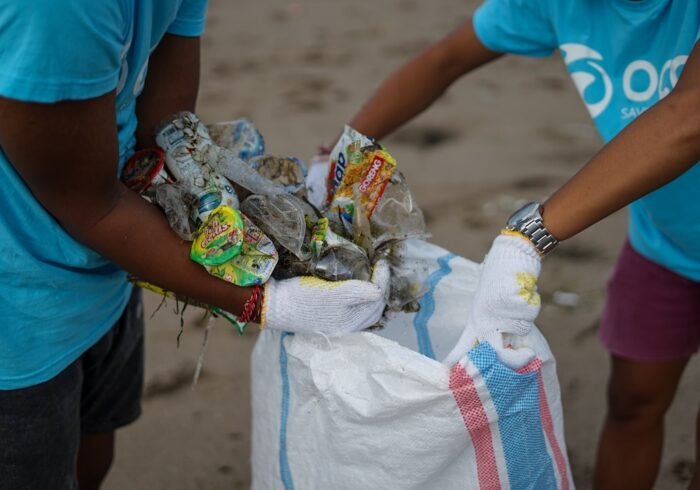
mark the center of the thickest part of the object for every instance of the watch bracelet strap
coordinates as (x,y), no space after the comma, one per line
(537,234)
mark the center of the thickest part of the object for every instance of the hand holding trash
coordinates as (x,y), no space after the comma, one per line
(329,254)
(309,304)
(506,302)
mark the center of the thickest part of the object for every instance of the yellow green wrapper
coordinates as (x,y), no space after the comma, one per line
(255,262)
(219,239)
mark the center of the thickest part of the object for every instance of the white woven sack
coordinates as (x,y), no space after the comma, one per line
(377,411)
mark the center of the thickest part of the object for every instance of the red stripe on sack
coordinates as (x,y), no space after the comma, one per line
(477,424)
(531,366)
(547,423)
(549,431)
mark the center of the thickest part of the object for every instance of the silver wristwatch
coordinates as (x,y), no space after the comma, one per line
(528,221)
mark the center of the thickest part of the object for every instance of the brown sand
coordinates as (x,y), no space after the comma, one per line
(513,130)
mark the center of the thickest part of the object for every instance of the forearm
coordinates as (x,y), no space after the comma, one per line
(655,149)
(136,236)
(417,84)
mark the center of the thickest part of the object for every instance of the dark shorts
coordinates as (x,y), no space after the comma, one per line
(40,426)
(651,313)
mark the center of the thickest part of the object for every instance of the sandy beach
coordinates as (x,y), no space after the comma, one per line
(513,130)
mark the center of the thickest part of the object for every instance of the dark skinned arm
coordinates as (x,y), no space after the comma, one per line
(67,153)
(172,84)
(653,150)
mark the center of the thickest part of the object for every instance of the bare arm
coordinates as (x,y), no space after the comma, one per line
(417,84)
(657,147)
(67,154)
(172,84)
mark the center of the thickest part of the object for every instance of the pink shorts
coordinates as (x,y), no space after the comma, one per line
(651,313)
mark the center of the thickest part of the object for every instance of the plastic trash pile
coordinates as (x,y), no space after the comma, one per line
(250,215)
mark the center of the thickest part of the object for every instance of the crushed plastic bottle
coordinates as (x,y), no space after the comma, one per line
(342,263)
(185,141)
(336,258)
(187,144)
(177,203)
(397,215)
(409,277)
(290,265)
(283,217)
(226,163)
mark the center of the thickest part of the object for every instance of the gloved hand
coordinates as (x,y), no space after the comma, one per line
(506,301)
(312,305)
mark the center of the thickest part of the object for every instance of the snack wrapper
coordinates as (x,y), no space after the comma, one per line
(145,170)
(219,239)
(255,262)
(364,182)
(346,150)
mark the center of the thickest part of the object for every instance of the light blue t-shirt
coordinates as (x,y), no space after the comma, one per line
(57,297)
(623,56)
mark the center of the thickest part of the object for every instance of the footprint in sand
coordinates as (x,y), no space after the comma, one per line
(291,11)
(535,182)
(546,83)
(586,333)
(306,94)
(425,137)
(406,6)
(222,68)
(683,470)
(175,380)
(570,144)
(475,221)
(319,56)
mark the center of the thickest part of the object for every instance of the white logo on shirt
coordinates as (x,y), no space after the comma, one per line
(590,73)
(583,79)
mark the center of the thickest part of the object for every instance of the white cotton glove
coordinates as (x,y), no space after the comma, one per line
(506,301)
(311,305)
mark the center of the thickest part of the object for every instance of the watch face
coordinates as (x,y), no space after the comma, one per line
(523,214)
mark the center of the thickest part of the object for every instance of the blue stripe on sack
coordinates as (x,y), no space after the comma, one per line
(285,471)
(517,402)
(427,306)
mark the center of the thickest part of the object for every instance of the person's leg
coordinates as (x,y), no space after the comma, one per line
(94,459)
(111,397)
(651,327)
(629,450)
